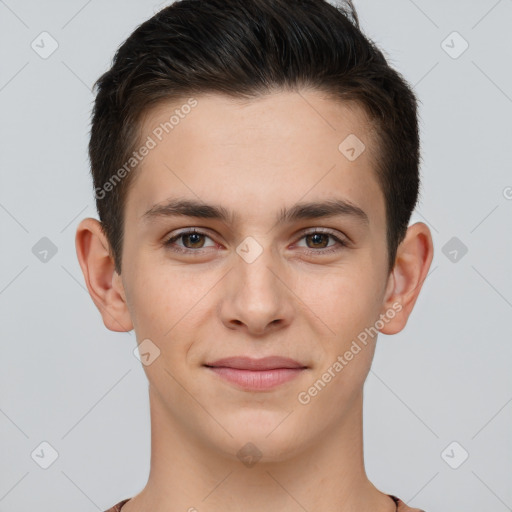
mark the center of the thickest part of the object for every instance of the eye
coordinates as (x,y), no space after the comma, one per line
(192,240)
(318,240)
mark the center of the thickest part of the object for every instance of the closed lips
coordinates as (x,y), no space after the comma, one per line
(248,363)
(256,375)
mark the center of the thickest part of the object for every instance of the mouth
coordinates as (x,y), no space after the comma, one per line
(256,374)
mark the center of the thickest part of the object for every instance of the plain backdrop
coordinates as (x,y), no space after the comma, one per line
(438,400)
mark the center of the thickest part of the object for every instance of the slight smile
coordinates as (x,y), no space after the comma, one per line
(256,374)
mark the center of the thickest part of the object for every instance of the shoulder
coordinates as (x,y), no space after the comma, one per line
(117,507)
(402,507)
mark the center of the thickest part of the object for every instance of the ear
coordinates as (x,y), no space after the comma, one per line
(103,282)
(413,259)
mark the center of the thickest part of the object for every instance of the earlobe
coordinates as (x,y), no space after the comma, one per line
(103,283)
(413,259)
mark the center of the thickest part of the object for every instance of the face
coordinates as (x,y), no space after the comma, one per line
(251,234)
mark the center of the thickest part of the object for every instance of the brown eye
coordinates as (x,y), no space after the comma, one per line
(320,243)
(191,241)
(196,240)
(319,240)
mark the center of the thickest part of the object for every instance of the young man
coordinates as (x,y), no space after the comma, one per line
(255,165)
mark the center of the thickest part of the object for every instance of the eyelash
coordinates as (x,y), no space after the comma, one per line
(170,241)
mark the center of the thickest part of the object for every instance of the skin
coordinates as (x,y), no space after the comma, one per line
(255,158)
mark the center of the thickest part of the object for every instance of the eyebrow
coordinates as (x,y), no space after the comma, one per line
(300,211)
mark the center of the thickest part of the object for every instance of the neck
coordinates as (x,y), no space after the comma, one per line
(187,475)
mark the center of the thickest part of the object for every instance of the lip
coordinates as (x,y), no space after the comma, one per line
(256,374)
(249,363)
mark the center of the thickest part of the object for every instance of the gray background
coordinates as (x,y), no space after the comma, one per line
(67,380)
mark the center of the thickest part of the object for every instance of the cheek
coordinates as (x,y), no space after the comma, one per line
(167,306)
(345,299)
(349,306)
(151,299)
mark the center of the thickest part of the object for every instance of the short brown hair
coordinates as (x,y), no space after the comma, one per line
(245,49)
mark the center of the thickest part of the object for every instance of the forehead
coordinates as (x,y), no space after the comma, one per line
(258,155)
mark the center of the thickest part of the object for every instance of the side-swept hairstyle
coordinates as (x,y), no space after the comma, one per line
(246,49)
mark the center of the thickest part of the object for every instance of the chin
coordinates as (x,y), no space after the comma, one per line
(271,441)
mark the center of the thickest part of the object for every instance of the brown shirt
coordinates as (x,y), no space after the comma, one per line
(400,506)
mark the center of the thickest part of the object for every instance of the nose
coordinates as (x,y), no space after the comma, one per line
(256,298)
